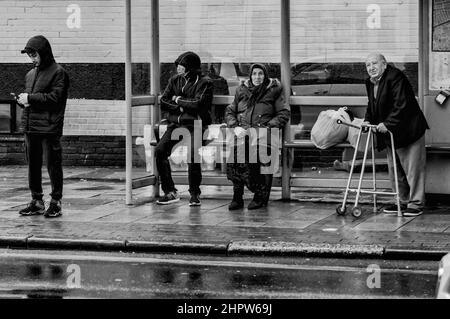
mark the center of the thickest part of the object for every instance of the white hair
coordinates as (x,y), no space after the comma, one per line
(379,56)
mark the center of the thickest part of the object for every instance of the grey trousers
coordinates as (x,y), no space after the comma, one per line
(411,173)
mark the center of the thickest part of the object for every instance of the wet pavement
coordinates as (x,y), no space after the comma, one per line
(59,274)
(96,217)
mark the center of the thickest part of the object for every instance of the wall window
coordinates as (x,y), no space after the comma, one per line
(440,46)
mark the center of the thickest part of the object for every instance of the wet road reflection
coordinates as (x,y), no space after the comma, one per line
(31,274)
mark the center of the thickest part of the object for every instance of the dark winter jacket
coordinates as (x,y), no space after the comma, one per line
(195,91)
(269,111)
(47,87)
(395,106)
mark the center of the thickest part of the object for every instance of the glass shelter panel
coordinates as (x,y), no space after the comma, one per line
(330,41)
(228,36)
(5,118)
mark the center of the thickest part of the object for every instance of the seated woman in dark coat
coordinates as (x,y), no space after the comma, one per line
(258,104)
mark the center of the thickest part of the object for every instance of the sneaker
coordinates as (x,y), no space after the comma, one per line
(392,209)
(412,212)
(168,198)
(53,210)
(195,200)
(35,207)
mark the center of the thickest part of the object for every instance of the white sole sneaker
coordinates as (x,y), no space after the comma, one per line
(195,204)
(406,214)
(392,212)
(168,202)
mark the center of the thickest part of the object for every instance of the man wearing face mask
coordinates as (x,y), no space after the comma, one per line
(186,101)
(393,107)
(44,104)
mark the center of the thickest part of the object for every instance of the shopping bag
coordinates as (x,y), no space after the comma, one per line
(353,133)
(327,132)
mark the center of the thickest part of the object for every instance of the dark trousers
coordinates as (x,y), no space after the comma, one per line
(411,169)
(162,153)
(37,146)
(249,174)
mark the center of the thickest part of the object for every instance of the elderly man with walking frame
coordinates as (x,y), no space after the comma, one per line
(393,107)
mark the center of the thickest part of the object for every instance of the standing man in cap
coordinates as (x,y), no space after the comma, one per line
(393,108)
(44,104)
(186,99)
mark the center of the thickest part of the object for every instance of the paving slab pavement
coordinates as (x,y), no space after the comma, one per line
(96,217)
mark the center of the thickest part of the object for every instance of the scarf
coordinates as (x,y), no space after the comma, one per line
(257,92)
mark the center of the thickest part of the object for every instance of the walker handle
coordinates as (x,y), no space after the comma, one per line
(362,126)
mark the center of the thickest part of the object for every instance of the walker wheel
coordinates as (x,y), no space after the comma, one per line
(340,211)
(356,211)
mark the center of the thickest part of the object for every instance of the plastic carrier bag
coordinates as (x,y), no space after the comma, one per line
(326,132)
(352,136)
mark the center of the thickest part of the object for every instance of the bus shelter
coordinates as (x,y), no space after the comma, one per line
(429,82)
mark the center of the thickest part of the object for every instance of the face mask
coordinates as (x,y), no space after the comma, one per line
(181,70)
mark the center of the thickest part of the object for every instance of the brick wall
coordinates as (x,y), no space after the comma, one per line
(77,151)
(11,150)
(103,118)
(100,37)
(240,30)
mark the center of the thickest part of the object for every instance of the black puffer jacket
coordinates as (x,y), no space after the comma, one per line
(269,111)
(47,87)
(195,92)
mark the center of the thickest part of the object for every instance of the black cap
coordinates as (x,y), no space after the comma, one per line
(27,50)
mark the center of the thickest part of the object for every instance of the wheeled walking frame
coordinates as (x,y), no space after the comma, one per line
(356,209)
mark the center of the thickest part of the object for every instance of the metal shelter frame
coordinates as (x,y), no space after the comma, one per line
(286,181)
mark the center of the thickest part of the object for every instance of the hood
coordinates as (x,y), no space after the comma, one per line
(41,45)
(190,61)
(268,82)
(266,74)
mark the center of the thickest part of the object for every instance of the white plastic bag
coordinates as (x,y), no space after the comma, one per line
(326,132)
(352,137)
(208,156)
(178,159)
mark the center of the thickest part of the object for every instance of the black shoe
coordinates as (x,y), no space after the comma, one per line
(168,198)
(54,210)
(392,209)
(35,207)
(195,200)
(236,204)
(412,212)
(255,204)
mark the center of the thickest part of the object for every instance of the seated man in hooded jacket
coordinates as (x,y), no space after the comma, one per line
(185,103)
